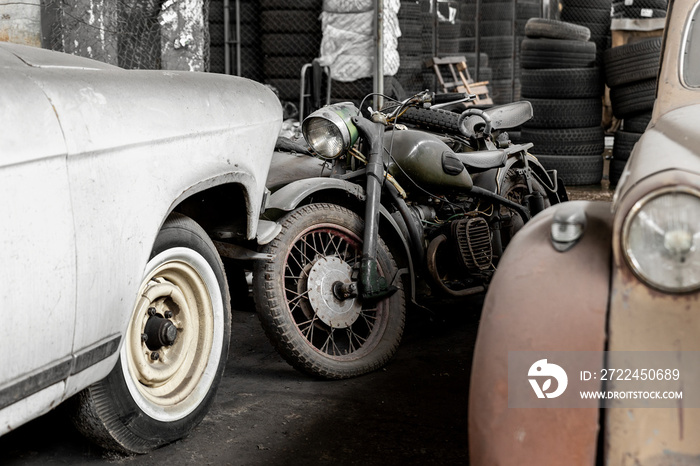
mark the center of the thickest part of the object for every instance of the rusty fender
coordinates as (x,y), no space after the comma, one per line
(540,300)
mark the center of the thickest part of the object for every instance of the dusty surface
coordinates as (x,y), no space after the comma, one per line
(412,412)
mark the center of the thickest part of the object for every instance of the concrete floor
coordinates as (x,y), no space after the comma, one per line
(414,411)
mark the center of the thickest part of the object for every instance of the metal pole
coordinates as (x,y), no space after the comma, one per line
(515,45)
(477,43)
(379,58)
(227,42)
(238,38)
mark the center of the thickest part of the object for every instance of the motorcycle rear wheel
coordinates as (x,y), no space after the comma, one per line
(313,331)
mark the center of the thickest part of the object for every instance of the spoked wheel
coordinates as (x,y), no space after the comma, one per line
(305,299)
(174,349)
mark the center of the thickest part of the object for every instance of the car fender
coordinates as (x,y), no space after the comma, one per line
(540,300)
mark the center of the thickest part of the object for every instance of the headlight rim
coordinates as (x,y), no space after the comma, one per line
(629,218)
(329,114)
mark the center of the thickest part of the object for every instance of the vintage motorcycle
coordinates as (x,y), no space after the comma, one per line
(422,212)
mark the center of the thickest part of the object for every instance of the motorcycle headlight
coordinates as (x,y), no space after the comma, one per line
(661,239)
(329,131)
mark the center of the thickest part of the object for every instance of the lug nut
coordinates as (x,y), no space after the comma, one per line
(155,355)
(168,314)
(144,338)
(152,311)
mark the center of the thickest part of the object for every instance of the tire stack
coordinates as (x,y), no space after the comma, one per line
(410,74)
(497,29)
(561,81)
(291,37)
(251,67)
(639,9)
(595,15)
(630,72)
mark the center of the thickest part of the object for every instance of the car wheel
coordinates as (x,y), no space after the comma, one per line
(316,332)
(174,348)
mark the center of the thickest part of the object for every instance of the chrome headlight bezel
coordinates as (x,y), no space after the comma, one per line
(337,116)
(627,249)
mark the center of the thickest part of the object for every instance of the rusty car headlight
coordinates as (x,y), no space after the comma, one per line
(661,239)
(329,131)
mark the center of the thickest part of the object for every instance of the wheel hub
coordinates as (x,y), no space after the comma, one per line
(323,279)
(159,332)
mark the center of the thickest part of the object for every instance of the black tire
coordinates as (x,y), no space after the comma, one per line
(553,53)
(594,4)
(287,88)
(624,143)
(121,412)
(633,98)
(552,29)
(289,44)
(635,12)
(290,21)
(574,141)
(285,67)
(566,113)
(617,167)
(633,62)
(575,170)
(448,46)
(502,68)
(287,5)
(301,333)
(597,30)
(637,123)
(564,83)
(658,4)
(497,46)
(449,30)
(249,34)
(504,91)
(585,15)
(433,120)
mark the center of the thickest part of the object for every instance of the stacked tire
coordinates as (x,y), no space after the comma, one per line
(410,47)
(291,37)
(595,15)
(630,72)
(251,67)
(639,9)
(501,29)
(560,79)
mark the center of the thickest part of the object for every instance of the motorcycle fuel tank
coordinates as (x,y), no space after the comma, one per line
(422,159)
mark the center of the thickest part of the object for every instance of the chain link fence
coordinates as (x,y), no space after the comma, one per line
(274,39)
(126,33)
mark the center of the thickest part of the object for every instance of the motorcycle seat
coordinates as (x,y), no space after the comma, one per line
(486,159)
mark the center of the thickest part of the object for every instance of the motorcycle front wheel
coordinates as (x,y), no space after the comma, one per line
(315,331)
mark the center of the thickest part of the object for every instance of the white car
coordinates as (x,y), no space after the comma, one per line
(111,288)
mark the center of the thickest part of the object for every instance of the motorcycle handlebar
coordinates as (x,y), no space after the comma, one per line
(450,97)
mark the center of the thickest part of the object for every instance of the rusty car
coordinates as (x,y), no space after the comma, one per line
(113,294)
(599,278)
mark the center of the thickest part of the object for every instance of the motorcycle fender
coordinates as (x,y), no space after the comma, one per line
(291,196)
(540,300)
(536,167)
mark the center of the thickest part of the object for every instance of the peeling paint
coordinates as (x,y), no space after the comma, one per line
(20,23)
(182,35)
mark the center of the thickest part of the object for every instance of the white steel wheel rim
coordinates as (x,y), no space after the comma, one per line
(171,387)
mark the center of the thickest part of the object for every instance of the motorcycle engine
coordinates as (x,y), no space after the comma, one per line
(472,239)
